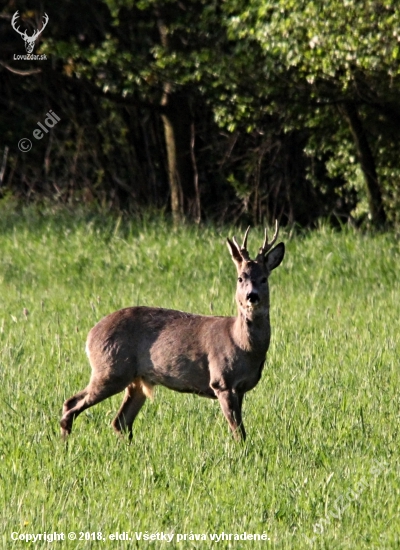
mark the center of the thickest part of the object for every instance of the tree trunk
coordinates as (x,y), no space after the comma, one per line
(367,163)
(179,139)
(177,120)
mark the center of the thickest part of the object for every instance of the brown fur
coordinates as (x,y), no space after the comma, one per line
(137,348)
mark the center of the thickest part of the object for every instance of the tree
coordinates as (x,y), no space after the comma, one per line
(341,56)
(134,62)
(257,109)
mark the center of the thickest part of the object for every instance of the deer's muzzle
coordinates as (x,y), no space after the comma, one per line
(253,298)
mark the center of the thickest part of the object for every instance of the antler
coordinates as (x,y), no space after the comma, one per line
(243,249)
(36,34)
(13,20)
(268,245)
(24,34)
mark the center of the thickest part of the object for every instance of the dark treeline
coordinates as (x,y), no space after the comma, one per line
(211,110)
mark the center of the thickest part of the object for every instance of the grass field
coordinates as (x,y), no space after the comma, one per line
(320,468)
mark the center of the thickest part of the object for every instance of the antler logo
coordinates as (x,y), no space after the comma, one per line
(29,40)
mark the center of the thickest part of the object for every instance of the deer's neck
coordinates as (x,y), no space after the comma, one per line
(252,334)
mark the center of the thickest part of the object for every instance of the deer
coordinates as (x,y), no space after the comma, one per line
(137,348)
(29,40)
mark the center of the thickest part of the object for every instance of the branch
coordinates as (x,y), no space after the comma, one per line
(116,98)
(21,73)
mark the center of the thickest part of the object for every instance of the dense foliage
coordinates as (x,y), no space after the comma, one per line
(261,109)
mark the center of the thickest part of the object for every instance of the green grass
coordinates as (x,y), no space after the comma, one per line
(322,457)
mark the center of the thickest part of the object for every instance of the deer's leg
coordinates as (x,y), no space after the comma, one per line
(96,391)
(133,401)
(71,404)
(241,425)
(231,405)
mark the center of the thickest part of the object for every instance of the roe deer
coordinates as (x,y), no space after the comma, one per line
(221,358)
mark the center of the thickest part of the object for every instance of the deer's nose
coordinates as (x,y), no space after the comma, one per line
(253,297)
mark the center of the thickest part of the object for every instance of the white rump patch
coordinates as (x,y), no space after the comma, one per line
(147,389)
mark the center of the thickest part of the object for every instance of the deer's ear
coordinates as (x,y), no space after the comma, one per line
(235,253)
(275,257)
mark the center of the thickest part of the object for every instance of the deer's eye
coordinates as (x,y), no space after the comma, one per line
(240,280)
(264,280)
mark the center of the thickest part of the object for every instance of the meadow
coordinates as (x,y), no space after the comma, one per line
(320,468)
